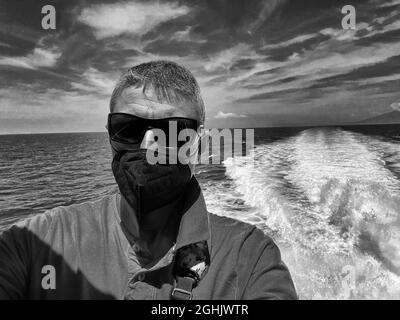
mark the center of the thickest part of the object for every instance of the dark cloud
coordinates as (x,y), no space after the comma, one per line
(386,68)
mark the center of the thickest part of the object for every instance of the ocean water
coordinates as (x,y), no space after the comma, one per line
(329,197)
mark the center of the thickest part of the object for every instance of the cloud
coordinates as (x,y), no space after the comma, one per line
(395,106)
(316,65)
(295,40)
(392,26)
(294,56)
(186,35)
(222,115)
(379,80)
(269,7)
(390,3)
(182,35)
(24,109)
(39,57)
(3,44)
(93,80)
(129,17)
(226,58)
(343,35)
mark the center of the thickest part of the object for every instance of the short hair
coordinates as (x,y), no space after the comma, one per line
(170,82)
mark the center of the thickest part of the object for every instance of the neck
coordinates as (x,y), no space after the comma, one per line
(155,231)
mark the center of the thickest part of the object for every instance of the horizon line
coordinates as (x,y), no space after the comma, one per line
(258,127)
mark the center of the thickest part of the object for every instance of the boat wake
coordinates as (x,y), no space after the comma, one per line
(331,200)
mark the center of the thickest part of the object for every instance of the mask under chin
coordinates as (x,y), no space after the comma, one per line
(147,187)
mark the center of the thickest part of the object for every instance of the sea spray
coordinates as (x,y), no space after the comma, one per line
(333,207)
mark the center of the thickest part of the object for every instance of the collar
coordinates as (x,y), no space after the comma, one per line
(195,222)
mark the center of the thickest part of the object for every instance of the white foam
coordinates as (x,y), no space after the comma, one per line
(333,207)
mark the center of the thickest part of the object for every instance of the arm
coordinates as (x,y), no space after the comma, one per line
(19,246)
(14,263)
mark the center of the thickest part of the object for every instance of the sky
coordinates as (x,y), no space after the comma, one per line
(259,63)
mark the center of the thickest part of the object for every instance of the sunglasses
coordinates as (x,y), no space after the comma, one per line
(129,129)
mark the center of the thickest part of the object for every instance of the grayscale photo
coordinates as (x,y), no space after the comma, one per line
(200,150)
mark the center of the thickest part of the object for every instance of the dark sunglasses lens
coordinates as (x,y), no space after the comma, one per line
(183,124)
(177,125)
(130,129)
(186,124)
(125,128)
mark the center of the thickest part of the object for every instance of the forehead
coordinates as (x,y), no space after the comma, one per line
(134,101)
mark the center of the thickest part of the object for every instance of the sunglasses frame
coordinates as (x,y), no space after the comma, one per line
(144,119)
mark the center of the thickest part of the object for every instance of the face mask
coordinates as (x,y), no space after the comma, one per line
(147,187)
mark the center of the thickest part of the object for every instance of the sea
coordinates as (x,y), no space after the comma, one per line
(328,196)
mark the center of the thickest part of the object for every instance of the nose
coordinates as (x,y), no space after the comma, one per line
(149,141)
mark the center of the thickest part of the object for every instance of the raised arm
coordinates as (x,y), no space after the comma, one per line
(14,263)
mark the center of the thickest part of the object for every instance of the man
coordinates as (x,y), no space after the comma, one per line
(154,239)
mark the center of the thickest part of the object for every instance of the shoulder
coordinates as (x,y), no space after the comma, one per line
(64,219)
(225,229)
(246,248)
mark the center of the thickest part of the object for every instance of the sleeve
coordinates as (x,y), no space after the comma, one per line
(270,278)
(14,263)
(18,246)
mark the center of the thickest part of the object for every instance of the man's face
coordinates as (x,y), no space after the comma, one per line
(146,185)
(133,101)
